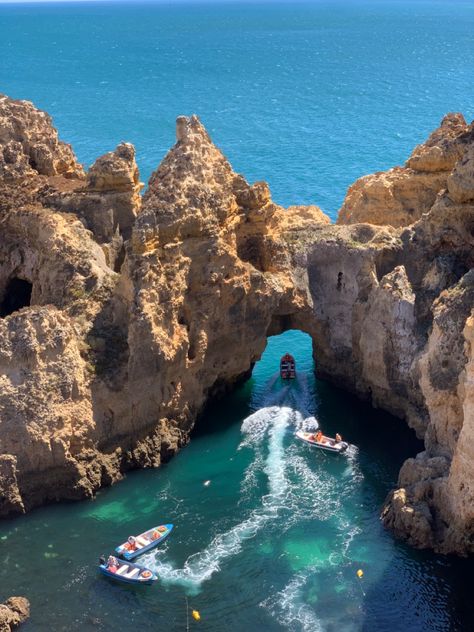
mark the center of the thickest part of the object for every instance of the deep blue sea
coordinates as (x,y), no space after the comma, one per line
(307,96)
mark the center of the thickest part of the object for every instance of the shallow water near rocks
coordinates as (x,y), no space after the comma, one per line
(269,534)
(308,96)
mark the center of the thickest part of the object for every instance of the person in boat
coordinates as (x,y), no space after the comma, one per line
(338,438)
(131,543)
(112,564)
(318,436)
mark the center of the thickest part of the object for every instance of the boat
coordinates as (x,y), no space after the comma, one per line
(137,545)
(128,572)
(326,443)
(287,367)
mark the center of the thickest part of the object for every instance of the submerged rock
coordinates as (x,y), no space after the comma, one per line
(122,316)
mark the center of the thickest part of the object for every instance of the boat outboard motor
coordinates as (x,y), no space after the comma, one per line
(102,560)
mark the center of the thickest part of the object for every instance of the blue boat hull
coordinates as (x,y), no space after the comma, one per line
(130,580)
(130,555)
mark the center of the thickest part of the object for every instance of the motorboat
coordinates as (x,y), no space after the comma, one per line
(137,545)
(324,443)
(127,572)
(287,367)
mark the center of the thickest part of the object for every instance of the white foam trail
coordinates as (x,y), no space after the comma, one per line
(250,479)
(201,566)
(275,464)
(290,610)
(295,493)
(256,425)
(289,607)
(313,495)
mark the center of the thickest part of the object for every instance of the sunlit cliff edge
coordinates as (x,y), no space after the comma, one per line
(122,314)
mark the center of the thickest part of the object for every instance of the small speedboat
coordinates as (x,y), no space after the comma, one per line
(287,367)
(137,545)
(128,573)
(325,443)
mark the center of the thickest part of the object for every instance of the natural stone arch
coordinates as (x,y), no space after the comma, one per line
(213,266)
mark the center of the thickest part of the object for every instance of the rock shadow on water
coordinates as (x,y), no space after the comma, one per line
(418,591)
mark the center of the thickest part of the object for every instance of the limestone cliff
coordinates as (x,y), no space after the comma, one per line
(122,315)
(29,144)
(401,195)
(107,202)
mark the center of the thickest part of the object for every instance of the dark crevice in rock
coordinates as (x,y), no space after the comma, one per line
(17,295)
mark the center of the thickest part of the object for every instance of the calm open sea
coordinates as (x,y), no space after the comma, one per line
(308,96)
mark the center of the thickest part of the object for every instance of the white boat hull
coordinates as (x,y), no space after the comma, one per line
(328,443)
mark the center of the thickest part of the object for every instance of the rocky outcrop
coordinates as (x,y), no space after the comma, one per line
(29,143)
(123,315)
(199,268)
(397,197)
(401,195)
(9,491)
(13,612)
(461,181)
(107,203)
(444,147)
(433,505)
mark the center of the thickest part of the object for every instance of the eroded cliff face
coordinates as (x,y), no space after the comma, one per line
(122,315)
(401,195)
(29,144)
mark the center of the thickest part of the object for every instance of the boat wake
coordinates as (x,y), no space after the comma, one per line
(271,422)
(294,606)
(290,491)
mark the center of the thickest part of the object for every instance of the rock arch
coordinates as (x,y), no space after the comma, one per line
(113,367)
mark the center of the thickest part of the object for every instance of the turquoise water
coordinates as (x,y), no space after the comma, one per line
(307,97)
(272,542)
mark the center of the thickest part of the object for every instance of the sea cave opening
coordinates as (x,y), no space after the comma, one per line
(316,402)
(17,294)
(229,405)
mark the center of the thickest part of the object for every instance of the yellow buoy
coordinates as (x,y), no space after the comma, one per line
(360,573)
(196,615)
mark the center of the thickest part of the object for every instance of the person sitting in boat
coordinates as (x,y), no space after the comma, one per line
(338,438)
(112,564)
(318,436)
(131,543)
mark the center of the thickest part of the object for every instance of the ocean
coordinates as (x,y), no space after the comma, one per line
(308,96)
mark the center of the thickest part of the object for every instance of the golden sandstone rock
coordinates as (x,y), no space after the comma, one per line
(29,144)
(14,611)
(401,195)
(122,315)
